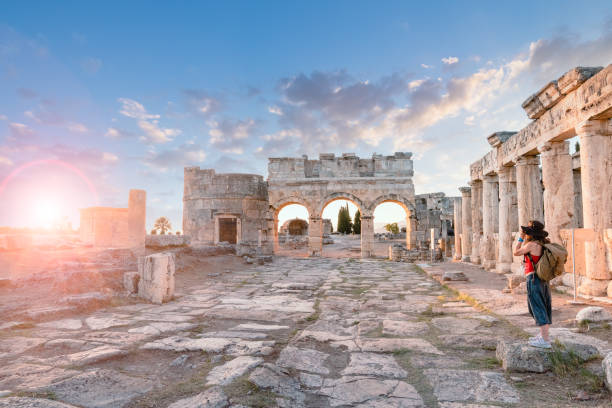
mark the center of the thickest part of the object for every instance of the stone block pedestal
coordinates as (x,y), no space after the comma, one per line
(156,277)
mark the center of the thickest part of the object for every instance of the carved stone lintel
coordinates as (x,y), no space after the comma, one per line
(573,78)
(465,191)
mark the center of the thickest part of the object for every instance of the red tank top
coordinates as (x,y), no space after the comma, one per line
(529,265)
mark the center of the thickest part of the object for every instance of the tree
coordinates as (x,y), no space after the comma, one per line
(577,146)
(153,231)
(357,223)
(162,225)
(392,228)
(345,226)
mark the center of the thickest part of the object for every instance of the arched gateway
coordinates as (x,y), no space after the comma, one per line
(365,182)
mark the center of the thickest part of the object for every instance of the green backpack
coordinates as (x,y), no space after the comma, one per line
(550,264)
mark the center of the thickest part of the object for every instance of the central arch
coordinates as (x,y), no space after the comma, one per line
(275,209)
(337,196)
(408,207)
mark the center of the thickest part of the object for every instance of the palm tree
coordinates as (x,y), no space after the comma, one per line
(162,224)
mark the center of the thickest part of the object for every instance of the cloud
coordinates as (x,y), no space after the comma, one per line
(426,66)
(5,161)
(3,117)
(77,127)
(231,136)
(275,110)
(109,157)
(232,165)
(26,93)
(135,110)
(147,122)
(201,103)
(156,134)
(450,60)
(415,84)
(184,155)
(112,133)
(19,130)
(91,65)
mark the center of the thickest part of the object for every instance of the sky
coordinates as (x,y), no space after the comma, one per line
(100,97)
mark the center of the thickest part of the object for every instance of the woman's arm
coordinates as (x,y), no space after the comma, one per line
(521,249)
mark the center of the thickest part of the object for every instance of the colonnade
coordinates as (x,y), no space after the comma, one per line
(541,186)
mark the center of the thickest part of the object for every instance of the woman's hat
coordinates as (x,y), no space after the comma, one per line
(536,230)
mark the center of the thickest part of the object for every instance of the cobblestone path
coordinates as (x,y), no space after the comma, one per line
(294,333)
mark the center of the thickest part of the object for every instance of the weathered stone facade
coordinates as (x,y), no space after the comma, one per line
(365,182)
(509,188)
(225,208)
(116,227)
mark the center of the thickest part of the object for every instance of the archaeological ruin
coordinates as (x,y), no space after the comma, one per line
(116,227)
(531,175)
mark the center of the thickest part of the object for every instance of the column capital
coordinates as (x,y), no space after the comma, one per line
(554,148)
(527,161)
(490,178)
(506,174)
(475,184)
(465,191)
(594,127)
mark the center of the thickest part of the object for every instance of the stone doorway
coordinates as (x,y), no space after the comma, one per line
(228,230)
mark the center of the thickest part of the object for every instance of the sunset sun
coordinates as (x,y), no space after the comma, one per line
(46,212)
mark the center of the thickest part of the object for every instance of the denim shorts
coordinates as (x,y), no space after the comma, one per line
(538,300)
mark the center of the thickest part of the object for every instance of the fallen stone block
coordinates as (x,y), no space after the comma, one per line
(521,357)
(156,277)
(593,314)
(228,372)
(130,282)
(454,276)
(607,368)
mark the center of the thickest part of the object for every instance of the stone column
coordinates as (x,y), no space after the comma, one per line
(458,224)
(529,190)
(410,228)
(490,220)
(275,238)
(466,223)
(476,220)
(596,173)
(558,180)
(507,195)
(315,236)
(367,236)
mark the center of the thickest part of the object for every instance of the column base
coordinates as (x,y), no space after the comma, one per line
(366,254)
(489,264)
(594,287)
(517,268)
(475,260)
(465,259)
(503,267)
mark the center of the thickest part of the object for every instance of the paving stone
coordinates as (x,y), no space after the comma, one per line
(303,359)
(228,372)
(367,391)
(117,338)
(374,364)
(275,379)
(311,380)
(256,326)
(101,323)
(87,357)
(404,328)
(384,345)
(461,405)
(455,325)
(27,402)
(180,344)
(100,389)
(67,343)
(211,398)
(454,276)
(65,324)
(18,344)
(10,325)
(481,341)
(606,364)
(433,361)
(471,386)
(235,334)
(27,376)
(156,328)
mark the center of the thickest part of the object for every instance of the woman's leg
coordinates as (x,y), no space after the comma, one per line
(544,332)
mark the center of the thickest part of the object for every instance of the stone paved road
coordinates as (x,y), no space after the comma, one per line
(294,333)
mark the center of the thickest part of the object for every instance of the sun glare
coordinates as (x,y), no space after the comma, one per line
(46,212)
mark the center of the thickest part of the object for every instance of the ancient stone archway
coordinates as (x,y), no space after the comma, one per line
(275,209)
(316,183)
(408,207)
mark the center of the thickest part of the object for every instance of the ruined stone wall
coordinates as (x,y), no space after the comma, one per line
(433,210)
(209,197)
(115,227)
